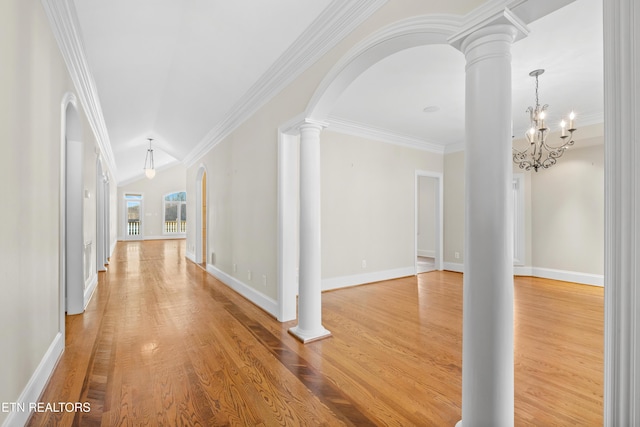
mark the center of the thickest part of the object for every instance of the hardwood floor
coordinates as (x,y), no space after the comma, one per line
(163,343)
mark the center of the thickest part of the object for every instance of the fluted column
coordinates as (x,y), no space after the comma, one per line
(309,326)
(487,346)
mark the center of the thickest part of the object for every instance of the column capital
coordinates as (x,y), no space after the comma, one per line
(499,23)
(308,123)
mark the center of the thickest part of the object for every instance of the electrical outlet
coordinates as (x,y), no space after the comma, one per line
(249,275)
(264,280)
(213,258)
(456,255)
(235,268)
(364,264)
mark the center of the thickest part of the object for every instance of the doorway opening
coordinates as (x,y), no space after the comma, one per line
(133,213)
(201,218)
(429,225)
(203,198)
(72,159)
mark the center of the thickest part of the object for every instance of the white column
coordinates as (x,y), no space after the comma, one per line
(622,213)
(309,326)
(487,346)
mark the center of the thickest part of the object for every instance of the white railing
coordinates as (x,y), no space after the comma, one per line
(175,226)
(133,228)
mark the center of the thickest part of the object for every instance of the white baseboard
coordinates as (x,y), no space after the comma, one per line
(167,237)
(522,270)
(569,276)
(162,237)
(545,273)
(264,302)
(454,266)
(191,256)
(427,253)
(89,289)
(36,384)
(360,279)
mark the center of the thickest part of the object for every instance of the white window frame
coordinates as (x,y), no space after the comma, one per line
(134,197)
(179,210)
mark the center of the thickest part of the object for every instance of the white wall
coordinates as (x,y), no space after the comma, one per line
(368,205)
(454,210)
(33,82)
(564,212)
(241,208)
(166,181)
(243,199)
(568,213)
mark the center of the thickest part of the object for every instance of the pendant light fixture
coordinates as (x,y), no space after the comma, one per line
(149,169)
(539,154)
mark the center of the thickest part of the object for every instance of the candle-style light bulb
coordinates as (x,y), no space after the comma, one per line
(530,134)
(572,117)
(563,126)
(541,117)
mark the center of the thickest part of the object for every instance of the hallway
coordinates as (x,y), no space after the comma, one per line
(164,343)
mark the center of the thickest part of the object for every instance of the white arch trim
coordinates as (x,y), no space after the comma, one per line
(411,32)
(67,99)
(622,378)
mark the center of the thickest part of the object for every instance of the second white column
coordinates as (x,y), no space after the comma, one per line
(487,349)
(309,327)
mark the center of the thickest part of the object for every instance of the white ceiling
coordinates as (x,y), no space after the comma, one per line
(172,70)
(392,95)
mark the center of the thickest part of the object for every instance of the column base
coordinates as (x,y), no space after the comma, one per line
(459,423)
(309,336)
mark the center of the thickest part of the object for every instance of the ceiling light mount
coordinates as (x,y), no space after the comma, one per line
(149,167)
(539,154)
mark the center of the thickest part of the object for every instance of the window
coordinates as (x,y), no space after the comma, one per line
(175,213)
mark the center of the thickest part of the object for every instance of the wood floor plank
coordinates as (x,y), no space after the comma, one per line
(164,343)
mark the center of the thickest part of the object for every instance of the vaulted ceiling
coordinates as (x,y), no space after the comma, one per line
(177,71)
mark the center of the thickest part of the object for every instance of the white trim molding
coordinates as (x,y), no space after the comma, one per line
(365,278)
(166,237)
(36,384)
(261,300)
(456,267)
(622,213)
(438,252)
(568,276)
(89,289)
(340,125)
(338,19)
(429,253)
(64,24)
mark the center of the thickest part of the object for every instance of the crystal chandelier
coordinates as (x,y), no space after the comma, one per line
(149,169)
(539,154)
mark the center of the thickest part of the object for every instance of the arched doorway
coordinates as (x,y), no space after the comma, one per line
(72,208)
(403,35)
(201,216)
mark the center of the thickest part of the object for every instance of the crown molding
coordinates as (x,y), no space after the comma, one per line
(362,130)
(63,21)
(337,20)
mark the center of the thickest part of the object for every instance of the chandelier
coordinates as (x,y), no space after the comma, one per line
(539,154)
(149,170)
